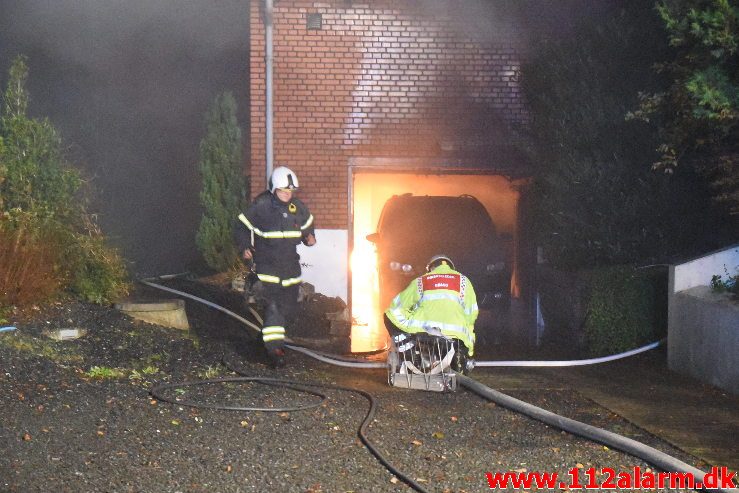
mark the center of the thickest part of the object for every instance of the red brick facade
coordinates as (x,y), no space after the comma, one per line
(400,78)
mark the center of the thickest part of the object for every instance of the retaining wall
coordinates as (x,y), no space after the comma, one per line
(703,326)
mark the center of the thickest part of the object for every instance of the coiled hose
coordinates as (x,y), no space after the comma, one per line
(158,391)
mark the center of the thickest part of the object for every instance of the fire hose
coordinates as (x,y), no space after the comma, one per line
(613,440)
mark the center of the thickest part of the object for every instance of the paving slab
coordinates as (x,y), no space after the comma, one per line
(695,417)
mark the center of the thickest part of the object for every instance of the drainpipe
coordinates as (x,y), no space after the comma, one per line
(268,62)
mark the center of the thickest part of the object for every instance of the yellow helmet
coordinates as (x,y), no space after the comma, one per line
(437,260)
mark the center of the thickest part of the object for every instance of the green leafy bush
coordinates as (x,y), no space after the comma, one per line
(728,285)
(49,241)
(95,270)
(697,112)
(595,199)
(625,309)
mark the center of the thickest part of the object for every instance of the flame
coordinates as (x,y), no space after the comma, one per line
(369,194)
(367,333)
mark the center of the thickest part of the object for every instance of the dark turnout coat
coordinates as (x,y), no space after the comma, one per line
(276,228)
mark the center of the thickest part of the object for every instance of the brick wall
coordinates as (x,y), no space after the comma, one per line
(401,78)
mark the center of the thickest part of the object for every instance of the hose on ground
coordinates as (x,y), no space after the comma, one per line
(228,312)
(576,362)
(331,359)
(633,447)
(158,393)
(338,362)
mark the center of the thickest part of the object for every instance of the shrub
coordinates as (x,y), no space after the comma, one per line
(623,310)
(28,262)
(224,187)
(48,241)
(96,272)
(729,285)
(37,179)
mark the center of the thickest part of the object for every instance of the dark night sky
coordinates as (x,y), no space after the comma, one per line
(127,83)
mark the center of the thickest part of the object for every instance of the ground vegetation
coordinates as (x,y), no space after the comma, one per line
(49,243)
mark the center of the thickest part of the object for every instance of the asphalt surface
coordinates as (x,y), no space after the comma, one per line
(65,428)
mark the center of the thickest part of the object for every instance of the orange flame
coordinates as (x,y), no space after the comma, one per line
(369,194)
(367,335)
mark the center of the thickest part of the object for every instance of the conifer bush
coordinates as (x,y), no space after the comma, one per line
(223,194)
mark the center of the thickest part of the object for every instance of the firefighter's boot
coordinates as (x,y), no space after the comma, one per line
(277,357)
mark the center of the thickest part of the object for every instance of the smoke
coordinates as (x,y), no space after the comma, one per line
(97,31)
(127,83)
(521,22)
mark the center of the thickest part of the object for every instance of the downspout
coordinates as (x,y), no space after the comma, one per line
(268,67)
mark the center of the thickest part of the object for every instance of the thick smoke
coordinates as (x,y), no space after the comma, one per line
(523,22)
(127,82)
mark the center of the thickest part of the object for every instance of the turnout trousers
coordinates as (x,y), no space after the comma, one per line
(281,303)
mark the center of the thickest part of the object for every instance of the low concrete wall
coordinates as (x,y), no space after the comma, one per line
(169,313)
(703,326)
(703,340)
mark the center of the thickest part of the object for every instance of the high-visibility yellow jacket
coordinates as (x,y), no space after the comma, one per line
(442,299)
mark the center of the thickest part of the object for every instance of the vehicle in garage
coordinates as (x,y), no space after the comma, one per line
(413,228)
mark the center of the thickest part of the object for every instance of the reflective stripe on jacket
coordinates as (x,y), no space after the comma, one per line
(443,299)
(277,228)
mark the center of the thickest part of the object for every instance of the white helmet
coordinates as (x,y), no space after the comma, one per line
(437,260)
(282,177)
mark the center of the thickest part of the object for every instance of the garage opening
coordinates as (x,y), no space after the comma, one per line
(370,190)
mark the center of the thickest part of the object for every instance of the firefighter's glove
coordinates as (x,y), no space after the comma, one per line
(247,255)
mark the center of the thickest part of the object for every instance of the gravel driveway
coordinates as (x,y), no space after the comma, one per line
(77,416)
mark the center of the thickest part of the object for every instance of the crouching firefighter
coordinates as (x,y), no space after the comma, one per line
(440,301)
(268,233)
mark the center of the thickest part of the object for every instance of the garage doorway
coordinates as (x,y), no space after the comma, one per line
(369,190)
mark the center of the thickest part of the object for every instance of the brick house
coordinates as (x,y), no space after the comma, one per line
(382,97)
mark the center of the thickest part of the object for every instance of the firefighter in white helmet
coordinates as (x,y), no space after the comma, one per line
(268,233)
(440,300)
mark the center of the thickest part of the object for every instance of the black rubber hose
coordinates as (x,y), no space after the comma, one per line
(651,455)
(156,392)
(362,436)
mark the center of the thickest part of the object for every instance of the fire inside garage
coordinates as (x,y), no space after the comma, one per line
(440,215)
